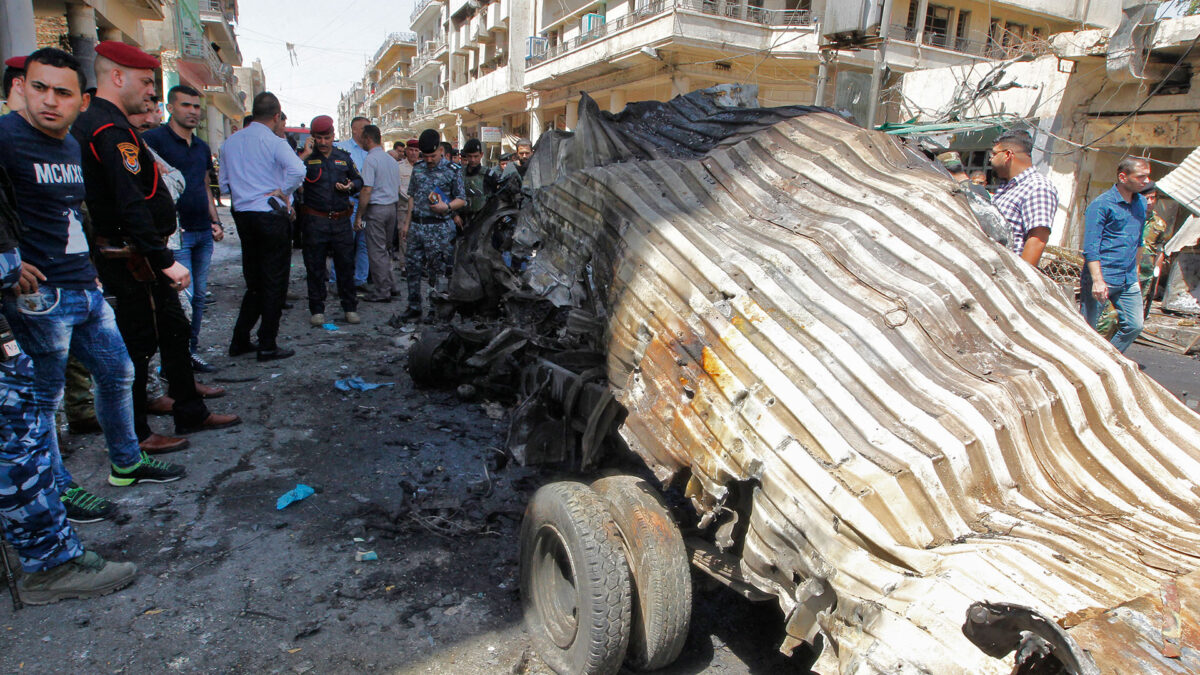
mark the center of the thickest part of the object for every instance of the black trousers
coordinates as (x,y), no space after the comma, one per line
(151,319)
(323,238)
(266,254)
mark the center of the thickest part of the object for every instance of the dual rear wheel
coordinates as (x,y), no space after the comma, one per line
(604,577)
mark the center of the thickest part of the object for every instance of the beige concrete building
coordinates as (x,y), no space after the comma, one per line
(387,92)
(195,39)
(521,65)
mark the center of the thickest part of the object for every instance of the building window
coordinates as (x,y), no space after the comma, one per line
(937,25)
(994,38)
(1014,34)
(961,30)
(910,22)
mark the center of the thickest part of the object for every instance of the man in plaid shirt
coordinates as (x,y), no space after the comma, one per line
(1027,200)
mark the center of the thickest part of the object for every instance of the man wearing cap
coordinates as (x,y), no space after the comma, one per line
(132,217)
(261,171)
(377,212)
(330,180)
(14,69)
(437,192)
(179,146)
(479,183)
(412,155)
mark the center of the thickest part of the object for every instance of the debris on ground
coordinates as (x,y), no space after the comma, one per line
(358,384)
(298,493)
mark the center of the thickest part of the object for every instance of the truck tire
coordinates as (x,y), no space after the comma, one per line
(428,364)
(658,560)
(575,588)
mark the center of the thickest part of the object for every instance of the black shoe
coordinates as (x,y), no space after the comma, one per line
(238,348)
(199,365)
(411,313)
(85,507)
(275,354)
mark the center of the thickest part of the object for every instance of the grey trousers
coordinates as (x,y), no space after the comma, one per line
(380,226)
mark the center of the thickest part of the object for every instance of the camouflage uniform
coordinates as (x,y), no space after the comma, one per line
(35,520)
(430,236)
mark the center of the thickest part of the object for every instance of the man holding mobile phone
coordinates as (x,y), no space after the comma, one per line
(437,192)
(261,171)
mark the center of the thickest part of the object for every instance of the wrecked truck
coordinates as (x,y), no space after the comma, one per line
(878,418)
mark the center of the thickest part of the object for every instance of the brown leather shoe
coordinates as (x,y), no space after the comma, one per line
(207,391)
(158,444)
(213,421)
(163,405)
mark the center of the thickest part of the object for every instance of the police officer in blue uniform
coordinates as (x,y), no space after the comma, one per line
(437,192)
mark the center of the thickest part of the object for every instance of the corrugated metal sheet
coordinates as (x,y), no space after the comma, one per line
(924,421)
(1183,182)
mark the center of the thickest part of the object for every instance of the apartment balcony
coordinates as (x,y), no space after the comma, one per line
(490,86)
(393,40)
(729,27)
(428,56)
(937,49)
(423,11)
(218,19)
(395,123)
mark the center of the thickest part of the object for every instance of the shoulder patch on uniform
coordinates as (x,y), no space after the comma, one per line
(129,156)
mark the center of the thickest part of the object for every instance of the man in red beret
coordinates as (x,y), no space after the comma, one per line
(14,69)
(330,179)
(132,217)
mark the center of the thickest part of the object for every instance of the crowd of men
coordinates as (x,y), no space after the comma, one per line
(108,222)
(93,189)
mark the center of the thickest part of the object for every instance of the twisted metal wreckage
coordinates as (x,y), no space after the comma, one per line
(891,426)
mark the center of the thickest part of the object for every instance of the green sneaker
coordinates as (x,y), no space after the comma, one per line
(148,470)
(87,576)
(85,507)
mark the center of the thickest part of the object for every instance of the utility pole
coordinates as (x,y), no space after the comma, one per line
(885,21)
(16,29)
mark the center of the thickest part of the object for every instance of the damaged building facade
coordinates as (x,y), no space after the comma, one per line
(520,66)
(1096,97)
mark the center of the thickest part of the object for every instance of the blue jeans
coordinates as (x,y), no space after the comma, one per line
(82,324)
(1128,302)
(362,264)
(195,253)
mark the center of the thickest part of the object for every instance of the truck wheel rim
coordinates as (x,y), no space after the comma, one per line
(555,587)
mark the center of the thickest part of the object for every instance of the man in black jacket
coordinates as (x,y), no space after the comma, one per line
(132,216)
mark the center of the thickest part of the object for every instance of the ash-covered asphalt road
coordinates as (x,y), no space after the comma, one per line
(230,584)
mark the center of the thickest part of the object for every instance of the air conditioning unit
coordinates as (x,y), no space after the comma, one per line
(592,22)
(536,46)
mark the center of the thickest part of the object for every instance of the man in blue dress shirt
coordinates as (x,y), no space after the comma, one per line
(1112,238)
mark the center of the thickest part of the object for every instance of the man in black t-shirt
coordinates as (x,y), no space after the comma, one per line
(60,308)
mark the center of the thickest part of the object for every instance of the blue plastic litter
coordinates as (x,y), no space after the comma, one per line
(301,491)
(358,384)
(329,326)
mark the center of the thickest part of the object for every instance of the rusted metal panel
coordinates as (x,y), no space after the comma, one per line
(808,311)
(1183,182)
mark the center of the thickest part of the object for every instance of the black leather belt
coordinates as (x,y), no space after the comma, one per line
(430,220)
